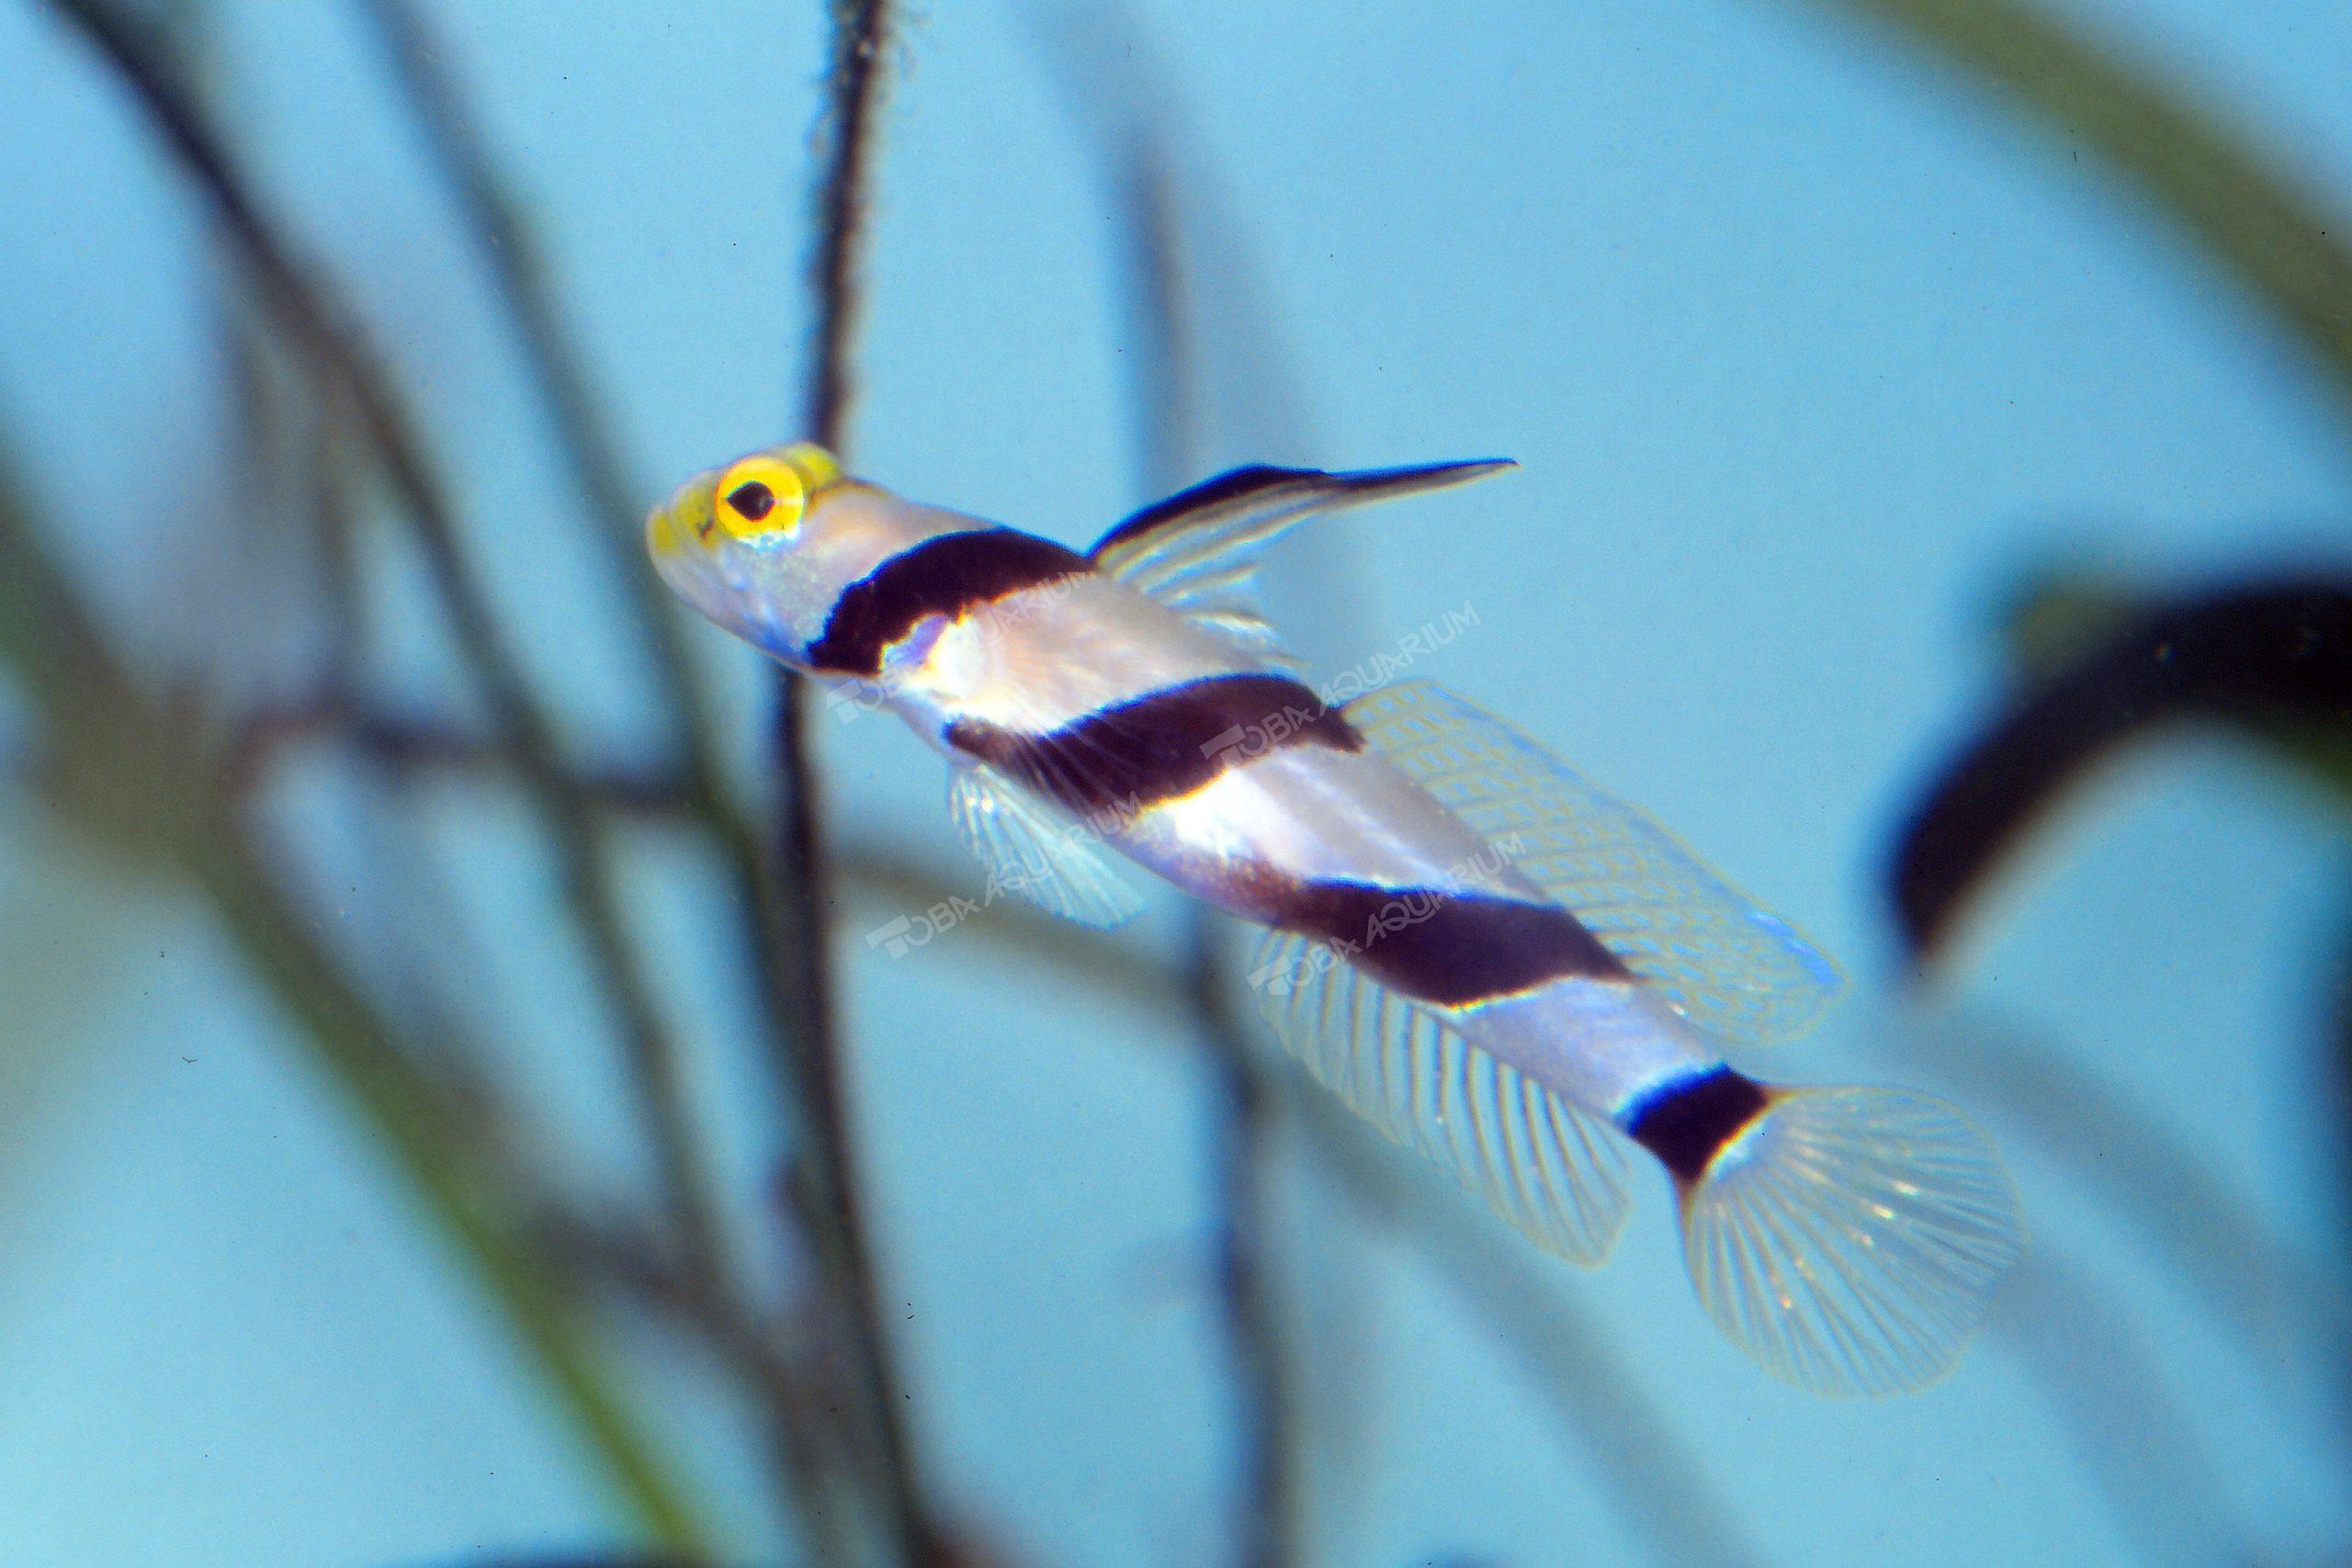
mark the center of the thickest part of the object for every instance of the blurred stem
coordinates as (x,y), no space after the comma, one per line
(346,370)
(825,1176)
(2059,615)
(2133,1439)
(349,1042)
(1659,1488)
(510,249)
(404,744)
(2220,1249)
(2250,216)
(146,782)
(1243,1162)
(1162,386)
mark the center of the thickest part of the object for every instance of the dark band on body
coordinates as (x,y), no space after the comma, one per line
(1450,949)
(945,576)
(1446,948)
(1126,757)
(1686,1124)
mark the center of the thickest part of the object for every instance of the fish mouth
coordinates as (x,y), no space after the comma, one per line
(678,558)
(661,535)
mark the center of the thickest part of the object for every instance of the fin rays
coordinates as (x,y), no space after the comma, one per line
(1038,852)
(1539,1162)
(1198,551)
(1734,970)
(1850,1239)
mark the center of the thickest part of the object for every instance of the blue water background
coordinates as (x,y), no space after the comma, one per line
(1808,354)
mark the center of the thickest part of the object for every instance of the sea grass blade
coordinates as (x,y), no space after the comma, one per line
(347,368)
(2271,658)
(2285,247)
(168,797)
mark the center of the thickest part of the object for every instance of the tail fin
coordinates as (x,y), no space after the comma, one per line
(1850,1239)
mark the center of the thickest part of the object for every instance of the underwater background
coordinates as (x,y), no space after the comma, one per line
(399,1163)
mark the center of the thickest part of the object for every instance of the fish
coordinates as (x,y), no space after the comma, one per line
(1482,953)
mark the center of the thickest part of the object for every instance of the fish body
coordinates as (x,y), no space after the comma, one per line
(1481,953)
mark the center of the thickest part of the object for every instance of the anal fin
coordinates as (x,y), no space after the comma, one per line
(1551,1169)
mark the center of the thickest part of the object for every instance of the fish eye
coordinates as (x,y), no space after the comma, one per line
(760,499)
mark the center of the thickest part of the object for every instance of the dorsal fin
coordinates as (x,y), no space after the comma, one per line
(1197,552)
(1732,968)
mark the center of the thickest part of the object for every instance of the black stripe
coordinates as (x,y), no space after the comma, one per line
(1686,1123)
(945,576)
(1450,949)
(1225,486)
(1120,758)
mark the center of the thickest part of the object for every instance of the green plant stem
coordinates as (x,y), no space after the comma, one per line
(2276,239)
(343,365)
(164,796)
(510,249)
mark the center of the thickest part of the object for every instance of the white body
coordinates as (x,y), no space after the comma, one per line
(1050,656)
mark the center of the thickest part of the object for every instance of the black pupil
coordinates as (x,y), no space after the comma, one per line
(752,499)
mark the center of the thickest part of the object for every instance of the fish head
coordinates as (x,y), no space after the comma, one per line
(765,546)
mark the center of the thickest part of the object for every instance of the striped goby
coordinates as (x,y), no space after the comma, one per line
(1482,953)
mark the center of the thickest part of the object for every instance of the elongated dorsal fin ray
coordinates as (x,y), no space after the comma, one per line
(1198,551)
(1040,851)
(1547,1167)
(1731,969)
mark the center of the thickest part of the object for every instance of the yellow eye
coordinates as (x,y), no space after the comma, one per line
(760,498)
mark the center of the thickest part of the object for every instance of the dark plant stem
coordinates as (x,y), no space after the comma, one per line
(405,744)
(347,371)
(147,785)
(2270,657)
(1269,1500)
(510,248)
(862,35)
(825,1176)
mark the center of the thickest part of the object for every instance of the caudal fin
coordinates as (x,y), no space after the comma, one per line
(1850,1239)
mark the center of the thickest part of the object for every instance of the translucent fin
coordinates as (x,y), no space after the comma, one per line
(1850,1239)
(1549,1168)
(1732,969)
(1039,851)
(1198,551)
